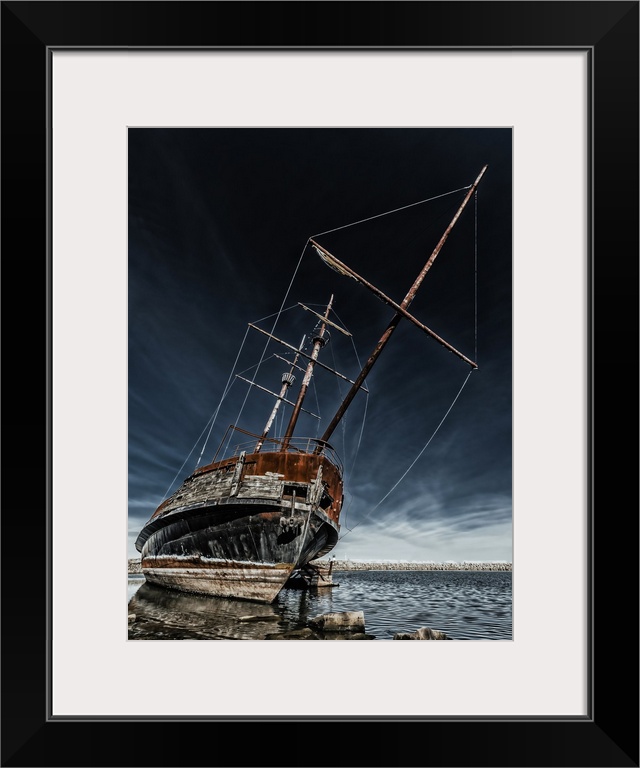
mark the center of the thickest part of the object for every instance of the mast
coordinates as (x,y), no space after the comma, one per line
(397,317)
(319,341)
(287,380)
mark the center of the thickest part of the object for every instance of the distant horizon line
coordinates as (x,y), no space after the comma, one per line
(417,562)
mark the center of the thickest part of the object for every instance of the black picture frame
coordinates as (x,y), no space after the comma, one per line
(608,736)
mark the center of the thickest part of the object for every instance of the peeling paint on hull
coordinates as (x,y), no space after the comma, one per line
(230,532)
(226,552)
(235,580)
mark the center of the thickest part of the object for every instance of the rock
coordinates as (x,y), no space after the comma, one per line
(132,617)
(295,634)
(424,633)
(308,634)
(346,636)
(347,621)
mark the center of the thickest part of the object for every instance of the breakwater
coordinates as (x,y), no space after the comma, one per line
(355,565)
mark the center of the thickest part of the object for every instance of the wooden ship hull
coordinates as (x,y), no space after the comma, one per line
(243,526)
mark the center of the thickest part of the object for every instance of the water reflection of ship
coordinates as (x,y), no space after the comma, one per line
(157,613)
(164,614)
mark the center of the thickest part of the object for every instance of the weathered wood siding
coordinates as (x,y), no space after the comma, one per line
(266,476)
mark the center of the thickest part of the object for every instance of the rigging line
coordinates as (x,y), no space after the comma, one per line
(348,505)
(225,392)
(366,402)
(364,418)
(252,366)
(475,285)
(315,389)
(273,327)
(424,448)
(353,344)
(395,210)
(349,472)
(273,314)
(339,387)
(315,392)
(211,422)
(283,419)
(179,472)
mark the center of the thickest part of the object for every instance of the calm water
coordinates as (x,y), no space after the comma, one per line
(466,605)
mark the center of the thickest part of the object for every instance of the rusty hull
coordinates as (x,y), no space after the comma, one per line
(289,467)
(239,528)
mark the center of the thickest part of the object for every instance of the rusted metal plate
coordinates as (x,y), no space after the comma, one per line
(259,475)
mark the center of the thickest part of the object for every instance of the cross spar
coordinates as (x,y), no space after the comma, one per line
(400,312)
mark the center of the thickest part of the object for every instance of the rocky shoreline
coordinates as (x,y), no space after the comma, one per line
(353,565)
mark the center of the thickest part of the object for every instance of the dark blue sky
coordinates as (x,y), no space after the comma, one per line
(218,224)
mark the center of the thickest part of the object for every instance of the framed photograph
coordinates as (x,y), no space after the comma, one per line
(107,109)
(368,400)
